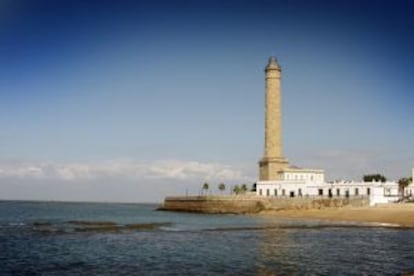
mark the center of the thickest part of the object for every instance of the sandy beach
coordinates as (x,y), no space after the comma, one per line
(396,214)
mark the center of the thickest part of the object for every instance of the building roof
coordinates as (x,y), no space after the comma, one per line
(272,64)
(302,170)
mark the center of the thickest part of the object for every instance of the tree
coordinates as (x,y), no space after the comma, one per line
(205,187)
(236,189)
(374,177)
(254,187)
(243,188)
(403,183)
(221,187)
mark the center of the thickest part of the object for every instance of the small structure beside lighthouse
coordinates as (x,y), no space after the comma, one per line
(273,162)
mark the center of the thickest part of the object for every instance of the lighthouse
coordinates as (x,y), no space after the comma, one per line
(273,162)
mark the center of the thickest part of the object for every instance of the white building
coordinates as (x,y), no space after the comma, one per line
(409,190)
(297,182)
(307,175)
(294,182)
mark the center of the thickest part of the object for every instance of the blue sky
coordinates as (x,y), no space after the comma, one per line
(133,100)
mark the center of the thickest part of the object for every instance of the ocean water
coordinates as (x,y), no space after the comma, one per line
(50,238)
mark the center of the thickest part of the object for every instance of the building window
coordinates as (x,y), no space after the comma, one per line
(311,177)
(356,191)
(330,192)
(267,192)
(283,192)
(300,192)
(338,192)
(275,192)
(368,191)
(260,191)
(320,192)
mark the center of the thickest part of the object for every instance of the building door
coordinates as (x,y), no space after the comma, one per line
(330,192)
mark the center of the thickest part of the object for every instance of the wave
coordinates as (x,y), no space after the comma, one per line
(87,226)
(16,224)
(311,227)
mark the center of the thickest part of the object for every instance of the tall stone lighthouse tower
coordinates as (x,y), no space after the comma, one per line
(273,161)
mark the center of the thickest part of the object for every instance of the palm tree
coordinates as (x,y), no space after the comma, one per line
(402,183)
(236,189)
(221,187)
(205,187)
(243,188)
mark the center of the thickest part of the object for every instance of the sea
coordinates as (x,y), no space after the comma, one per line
(64,238)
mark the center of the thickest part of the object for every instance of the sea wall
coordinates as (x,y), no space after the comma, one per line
(213,204)
(253,204)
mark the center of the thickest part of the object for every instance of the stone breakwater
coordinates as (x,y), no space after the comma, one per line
(253,204)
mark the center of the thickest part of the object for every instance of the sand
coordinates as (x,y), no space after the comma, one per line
(394,214)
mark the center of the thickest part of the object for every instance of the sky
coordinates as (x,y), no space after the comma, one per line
(130,101)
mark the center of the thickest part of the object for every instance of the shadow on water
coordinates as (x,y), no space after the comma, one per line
(78,226)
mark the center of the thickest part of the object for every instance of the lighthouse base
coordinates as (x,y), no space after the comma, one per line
(271,168)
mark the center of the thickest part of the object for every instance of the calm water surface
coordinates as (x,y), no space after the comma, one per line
(49,238)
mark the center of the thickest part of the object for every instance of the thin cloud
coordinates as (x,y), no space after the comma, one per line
(128,169)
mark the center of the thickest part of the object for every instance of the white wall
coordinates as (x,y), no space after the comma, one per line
(317,177)
(281,188)
(378,192)
(384,194)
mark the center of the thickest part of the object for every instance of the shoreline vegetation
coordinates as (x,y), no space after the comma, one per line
(393,214)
